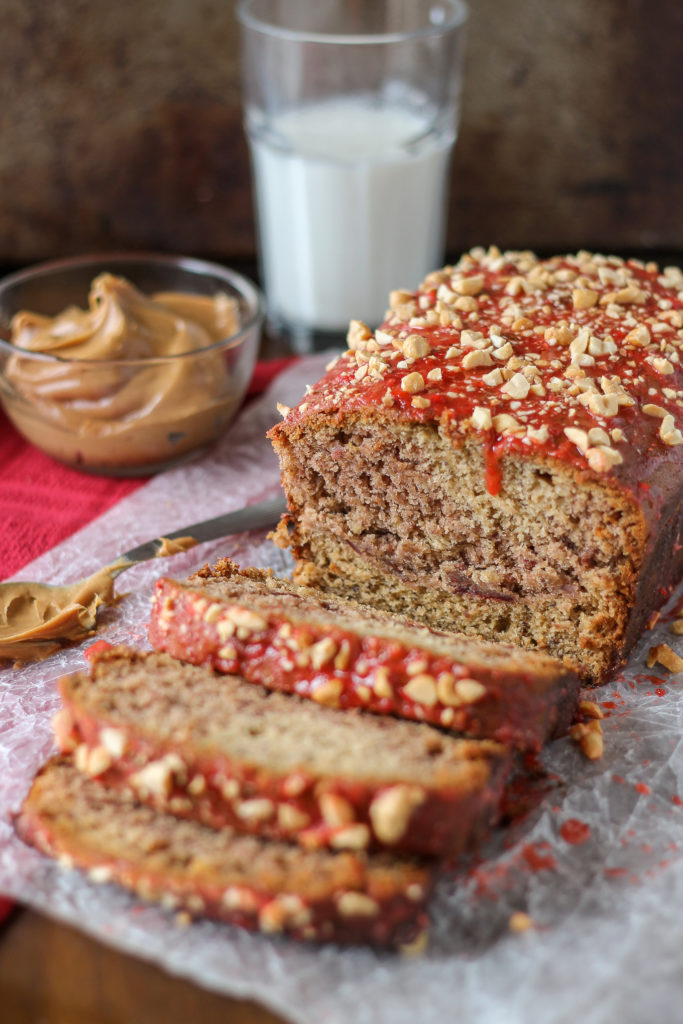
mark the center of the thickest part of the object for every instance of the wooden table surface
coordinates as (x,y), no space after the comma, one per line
(53,974)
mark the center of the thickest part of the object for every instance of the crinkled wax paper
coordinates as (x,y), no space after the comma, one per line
(608,937)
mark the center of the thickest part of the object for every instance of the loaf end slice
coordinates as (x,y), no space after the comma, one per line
(271,887)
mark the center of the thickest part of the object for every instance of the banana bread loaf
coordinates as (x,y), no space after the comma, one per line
(227,752)
(503,457)
(286,637)
(253,883)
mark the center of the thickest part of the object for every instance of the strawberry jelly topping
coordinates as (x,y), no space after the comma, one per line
(519,351)
(505,703)
(94,649)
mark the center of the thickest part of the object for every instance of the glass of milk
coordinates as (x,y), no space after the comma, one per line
(351,111)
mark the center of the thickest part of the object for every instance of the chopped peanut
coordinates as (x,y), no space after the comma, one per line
(665,656)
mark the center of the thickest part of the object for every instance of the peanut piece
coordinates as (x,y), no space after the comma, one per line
(357,904)
(390,811)
(421,689)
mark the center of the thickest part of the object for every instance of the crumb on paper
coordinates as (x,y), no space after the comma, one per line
(665,656)
(588,735)
(520,922)
(417,947)
(591,709)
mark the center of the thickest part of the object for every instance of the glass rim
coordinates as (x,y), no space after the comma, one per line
(459,8)
(245,289)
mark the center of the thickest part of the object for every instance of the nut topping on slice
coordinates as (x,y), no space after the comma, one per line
(412,383)
(421,689)
(390,811)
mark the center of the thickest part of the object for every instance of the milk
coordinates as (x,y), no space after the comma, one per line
(351,202)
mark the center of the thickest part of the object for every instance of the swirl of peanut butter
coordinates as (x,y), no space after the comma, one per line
(91,406)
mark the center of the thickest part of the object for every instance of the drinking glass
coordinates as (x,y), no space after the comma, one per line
(351,112)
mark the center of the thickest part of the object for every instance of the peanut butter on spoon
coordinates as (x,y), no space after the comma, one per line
(36,619)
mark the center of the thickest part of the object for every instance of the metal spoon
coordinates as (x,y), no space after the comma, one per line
(38,618)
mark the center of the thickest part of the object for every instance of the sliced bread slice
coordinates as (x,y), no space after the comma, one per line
(250,882)
(293,638)
(190,741)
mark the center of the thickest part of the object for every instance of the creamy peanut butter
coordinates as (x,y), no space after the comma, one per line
(90,410)
(170,546)
(36,619)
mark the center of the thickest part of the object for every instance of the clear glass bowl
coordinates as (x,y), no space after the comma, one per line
(123,417)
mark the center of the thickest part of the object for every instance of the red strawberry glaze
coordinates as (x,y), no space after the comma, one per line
(574,831)
(94,649)
(570,326)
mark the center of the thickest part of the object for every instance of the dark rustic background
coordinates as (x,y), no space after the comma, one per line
(121,127)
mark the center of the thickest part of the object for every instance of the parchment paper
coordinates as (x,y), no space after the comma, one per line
(608,941)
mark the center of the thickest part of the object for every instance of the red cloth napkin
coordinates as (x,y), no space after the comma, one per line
(42,502)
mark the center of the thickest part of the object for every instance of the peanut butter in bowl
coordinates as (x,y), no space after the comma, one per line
(135,382)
